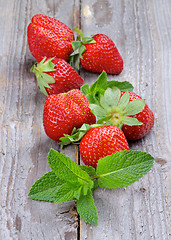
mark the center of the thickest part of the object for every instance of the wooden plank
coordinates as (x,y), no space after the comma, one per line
(140,211)
(24,145)
(140,31)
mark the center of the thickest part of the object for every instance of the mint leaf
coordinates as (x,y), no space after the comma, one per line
(46,187)
(69,181)
(89,169)
(98,85)
(123,86)
(101,84)
(87,209)
(66,169)
(92,173)
(53,189)
(123,168)
(85,89)
(67,192)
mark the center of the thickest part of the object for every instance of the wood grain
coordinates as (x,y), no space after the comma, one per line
(24,145)
(141,31)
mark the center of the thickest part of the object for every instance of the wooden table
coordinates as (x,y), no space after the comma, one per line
(142,32)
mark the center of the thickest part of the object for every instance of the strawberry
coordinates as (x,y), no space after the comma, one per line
(126,110)
(98,54)
(79,98)
(56,76)
(57,119)
(49,37)
(65,111)
(146,117)
(102,55)
(100,142)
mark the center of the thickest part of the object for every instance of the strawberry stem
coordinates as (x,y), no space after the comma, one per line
(115,110)
(79,47)
(95,177)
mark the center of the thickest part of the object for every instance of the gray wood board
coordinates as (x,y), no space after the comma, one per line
(24,145)
(141,31)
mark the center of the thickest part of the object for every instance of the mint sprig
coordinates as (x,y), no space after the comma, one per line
(98,88)
(67,192)
(46,187)
(68,181)
(91,172)
(87,209)
(70,171)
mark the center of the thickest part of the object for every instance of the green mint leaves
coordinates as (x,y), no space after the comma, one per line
(40,70)
(123,168)
(98,88)
(68,181)
(67,170)
(46,187)
(87,209)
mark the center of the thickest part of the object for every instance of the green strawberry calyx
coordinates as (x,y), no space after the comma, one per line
(79,46)
(114,109)
(77,134)
(40,70)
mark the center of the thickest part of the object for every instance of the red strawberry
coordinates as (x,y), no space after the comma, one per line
(63,112)
(146,117)
(98,53)
(57,119)
(102,56)
(56,76)
(100,142)
(49,37)
(126,110)
(79,98)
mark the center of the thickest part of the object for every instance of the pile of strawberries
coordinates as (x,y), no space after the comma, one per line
(117,116)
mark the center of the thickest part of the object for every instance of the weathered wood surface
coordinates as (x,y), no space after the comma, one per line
(141,31)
